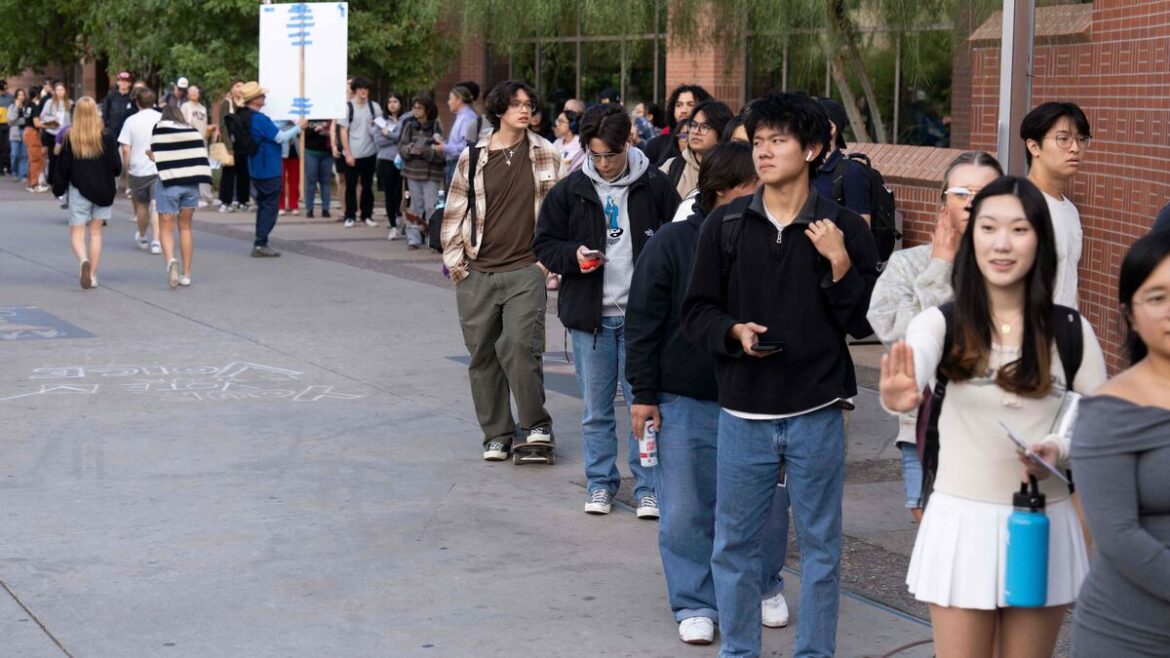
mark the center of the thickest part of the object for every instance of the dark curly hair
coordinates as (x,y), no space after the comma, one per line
(496,103)
(794,113)
(428,104)
(698,92)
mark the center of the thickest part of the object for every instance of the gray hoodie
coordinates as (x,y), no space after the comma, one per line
(619,248)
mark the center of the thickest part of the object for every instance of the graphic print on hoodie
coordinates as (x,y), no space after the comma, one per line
(619,248)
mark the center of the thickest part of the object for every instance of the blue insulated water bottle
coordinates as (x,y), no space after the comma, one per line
(1026,579)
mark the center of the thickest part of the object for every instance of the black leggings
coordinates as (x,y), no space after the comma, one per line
(390,180)
(235,181)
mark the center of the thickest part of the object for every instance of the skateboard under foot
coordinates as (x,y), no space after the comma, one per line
(536,452)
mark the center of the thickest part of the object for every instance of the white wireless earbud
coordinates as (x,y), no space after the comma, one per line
(808,158)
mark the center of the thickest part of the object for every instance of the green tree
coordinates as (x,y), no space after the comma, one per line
(214,41)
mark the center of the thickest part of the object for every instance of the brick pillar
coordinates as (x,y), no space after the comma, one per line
(469,66)
(961,77)
(718,69)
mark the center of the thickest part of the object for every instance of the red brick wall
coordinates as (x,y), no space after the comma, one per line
(714,69)
(1120,75)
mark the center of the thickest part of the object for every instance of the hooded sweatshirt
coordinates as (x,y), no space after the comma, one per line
(619,247)
(574,215)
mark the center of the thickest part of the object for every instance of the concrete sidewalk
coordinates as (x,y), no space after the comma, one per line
(282,460)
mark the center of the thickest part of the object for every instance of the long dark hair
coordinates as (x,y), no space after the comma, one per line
(1029,375)
(402,107)
(1143,257)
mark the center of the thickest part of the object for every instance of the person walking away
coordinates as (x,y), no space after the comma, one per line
(6,100)
(919,278)
(360,151)
(179,152)
(195,115)
(17,120)
(264,163)
(459,103)
(1121,457)
(55,115)
(318,166)
(387,135)
(423,161)
(488,226)
(290,176)
(87,171)
(782,253)
(234,181)
(32,145)
(591,231)
(135,140)
(1001,366)
(675,389)
(1056,136)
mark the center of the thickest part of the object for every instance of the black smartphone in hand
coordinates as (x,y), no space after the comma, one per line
(768,347)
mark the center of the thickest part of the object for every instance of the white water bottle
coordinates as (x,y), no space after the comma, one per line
(648,446)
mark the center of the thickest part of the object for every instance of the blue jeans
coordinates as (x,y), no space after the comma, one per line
(600,360)
(686,501)
(267,198)
(812,449)
(911,475)
(318,172)
(17,158)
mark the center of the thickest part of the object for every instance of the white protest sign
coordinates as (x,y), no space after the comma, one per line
(303,53)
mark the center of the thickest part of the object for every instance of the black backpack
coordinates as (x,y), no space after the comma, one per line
(882,209)
(1070,345)
(239,124)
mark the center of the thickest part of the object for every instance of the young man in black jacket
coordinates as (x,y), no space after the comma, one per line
(591,229)
(779,278)
(675,389)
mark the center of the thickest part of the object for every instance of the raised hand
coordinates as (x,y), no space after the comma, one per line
(899,387)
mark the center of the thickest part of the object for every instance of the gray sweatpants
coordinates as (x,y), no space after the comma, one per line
(502,317)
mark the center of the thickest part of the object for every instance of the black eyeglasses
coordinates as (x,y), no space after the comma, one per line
(701,128)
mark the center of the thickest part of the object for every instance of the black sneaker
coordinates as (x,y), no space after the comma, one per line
(325,214)
(495,451)
(309,214)
(540,435)
(264,252)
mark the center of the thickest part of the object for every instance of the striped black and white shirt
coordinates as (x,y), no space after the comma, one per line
(179,154)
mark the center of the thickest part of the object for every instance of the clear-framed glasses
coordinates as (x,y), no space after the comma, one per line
(1065,141)
(700,128)
(515,105)
(598,157)
(1155,302)
(964,194)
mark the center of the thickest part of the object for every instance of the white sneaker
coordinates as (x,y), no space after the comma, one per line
(774,611)
(696,630)
(202,203)
(370,222)
(282,212)
(349,223)
(395,233)
(156,247)
(173,273)
(143,243)
(226,208)
(184,281)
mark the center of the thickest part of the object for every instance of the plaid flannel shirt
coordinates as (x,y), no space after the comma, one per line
(456,231)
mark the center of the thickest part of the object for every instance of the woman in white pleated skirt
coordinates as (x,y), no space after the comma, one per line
(1002,366)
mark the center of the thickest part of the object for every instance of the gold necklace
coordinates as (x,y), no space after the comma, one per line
(1005,328)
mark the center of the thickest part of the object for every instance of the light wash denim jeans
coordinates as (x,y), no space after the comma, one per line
(600,361)
(686,501)
(812,449)
(17,158)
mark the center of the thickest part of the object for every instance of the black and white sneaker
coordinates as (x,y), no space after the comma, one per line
(599,502)
(496,451)
(540,435)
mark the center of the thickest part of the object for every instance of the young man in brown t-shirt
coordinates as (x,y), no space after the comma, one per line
(499,284)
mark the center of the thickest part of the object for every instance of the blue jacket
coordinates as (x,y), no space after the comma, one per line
(265,163)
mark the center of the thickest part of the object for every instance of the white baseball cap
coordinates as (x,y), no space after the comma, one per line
(182,83)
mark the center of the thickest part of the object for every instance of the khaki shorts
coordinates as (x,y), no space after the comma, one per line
(142,189)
